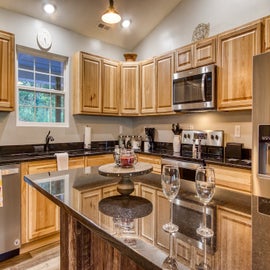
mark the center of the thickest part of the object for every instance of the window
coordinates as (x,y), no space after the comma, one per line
(42,97)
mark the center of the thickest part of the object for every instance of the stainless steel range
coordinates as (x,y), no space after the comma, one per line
(203,144)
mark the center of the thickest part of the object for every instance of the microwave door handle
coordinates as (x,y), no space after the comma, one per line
(203,86)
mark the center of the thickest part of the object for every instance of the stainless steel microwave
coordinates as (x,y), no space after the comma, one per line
(195,89)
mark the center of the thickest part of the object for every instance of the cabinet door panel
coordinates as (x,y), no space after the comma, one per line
(164,74)
(184,58)
(130,94)
(148,90)
(91,84)
(236,51)
(205,52)
(234,240)
(110,86)
(267,34)
(7,70)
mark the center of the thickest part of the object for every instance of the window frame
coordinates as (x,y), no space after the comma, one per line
(65,92)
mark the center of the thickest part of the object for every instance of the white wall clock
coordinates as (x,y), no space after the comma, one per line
(44,39)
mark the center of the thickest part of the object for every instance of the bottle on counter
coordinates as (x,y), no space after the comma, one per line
(116,155)
(146,144)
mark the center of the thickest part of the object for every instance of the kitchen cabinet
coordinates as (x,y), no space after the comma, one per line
(164,74)
(236,49)
(89,204)
(154,160)
(233,240)
(148,87)
(196,54)
(98,160)
(266,34)
(130,88)
(110,86)
(162,217)
(7,71)
(147,224)
(87,88)
(233,178)
(106,221)
(40,216)
(192,256)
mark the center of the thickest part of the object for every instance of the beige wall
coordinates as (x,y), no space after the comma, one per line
(203,121)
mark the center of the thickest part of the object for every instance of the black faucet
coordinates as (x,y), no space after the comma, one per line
(48,139)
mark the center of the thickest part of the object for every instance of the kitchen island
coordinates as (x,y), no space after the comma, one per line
(87,239)
(91,240)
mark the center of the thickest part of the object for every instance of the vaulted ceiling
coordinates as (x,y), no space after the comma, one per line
(84,17)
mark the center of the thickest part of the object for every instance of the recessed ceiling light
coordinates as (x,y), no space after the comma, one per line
(126,23)
(49,8)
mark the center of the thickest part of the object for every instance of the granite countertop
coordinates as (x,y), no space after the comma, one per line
(82,180)
(24,156)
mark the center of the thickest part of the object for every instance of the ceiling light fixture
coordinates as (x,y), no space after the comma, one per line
(126,23)
(49,8)
(111,16)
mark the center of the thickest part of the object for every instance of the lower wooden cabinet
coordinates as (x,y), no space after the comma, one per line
(233,240)
(147,224)
(40,216)
(233,178)
(192,256)
(154,160)
(98,160)
(162,217)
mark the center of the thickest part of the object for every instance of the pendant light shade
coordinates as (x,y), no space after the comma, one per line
(111,16)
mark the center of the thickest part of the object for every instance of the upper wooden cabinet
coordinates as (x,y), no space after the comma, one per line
(110,86)
(130,88)
(164,73)
(236,49)
(87,84)
(148,87)
(266,33)
(7,71)
(196,54)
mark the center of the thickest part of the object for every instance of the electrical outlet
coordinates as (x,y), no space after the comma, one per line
(237,131)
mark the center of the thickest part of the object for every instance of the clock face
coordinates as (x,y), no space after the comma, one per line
(44,39)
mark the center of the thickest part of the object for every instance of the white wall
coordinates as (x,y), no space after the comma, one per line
(177,28)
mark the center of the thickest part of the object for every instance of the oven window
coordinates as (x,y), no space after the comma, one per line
(187,90)
(187,174)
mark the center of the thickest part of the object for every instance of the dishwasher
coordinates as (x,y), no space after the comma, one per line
(10,211)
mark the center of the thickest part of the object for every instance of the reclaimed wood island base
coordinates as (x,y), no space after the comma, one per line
(82,248)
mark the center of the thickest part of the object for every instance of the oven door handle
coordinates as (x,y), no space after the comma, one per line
(181,163)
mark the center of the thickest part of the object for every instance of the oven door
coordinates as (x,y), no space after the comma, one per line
(187,169)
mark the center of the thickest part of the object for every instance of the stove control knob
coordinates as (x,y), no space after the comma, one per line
(185,136)
(188,136)
(216,137)
(212,137)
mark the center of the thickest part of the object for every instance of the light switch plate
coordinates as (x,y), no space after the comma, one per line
(237,131)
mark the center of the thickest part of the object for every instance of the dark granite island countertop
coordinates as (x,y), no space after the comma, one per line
(85,241)
(86,233)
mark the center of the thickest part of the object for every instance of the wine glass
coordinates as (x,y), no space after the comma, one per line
(170,182)
(205,187)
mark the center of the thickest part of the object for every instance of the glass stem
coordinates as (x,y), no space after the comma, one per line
(205,254)
(204,215)
(171,212)
(171,249)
